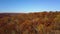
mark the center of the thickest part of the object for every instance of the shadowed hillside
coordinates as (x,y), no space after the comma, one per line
(30,23)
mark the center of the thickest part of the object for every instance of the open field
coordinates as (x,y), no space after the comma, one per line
(30,23)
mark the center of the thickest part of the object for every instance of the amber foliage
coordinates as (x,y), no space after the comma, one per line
(30,23)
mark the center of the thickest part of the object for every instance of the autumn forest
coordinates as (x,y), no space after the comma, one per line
(30,23)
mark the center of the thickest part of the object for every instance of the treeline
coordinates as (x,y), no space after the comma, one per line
(30,23)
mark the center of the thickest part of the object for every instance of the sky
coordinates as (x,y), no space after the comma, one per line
(29,5)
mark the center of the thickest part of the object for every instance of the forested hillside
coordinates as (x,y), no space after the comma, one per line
(30,23)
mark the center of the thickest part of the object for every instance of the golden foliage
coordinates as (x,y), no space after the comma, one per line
(31,23)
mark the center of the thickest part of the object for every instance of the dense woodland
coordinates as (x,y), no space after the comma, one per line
(30,23)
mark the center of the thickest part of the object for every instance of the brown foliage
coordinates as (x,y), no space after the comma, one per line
(31,23)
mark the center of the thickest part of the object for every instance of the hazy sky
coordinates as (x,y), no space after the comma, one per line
(29,5)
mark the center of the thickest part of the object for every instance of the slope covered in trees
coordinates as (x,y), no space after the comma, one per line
(30,23)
